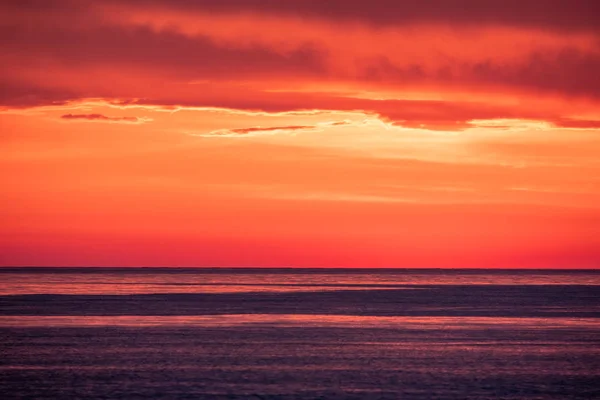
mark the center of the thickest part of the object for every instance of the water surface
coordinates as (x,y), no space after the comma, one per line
(291,334)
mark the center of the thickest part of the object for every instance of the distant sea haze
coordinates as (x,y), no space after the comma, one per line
(295,334)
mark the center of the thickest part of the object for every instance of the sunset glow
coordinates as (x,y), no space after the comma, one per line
(341,133)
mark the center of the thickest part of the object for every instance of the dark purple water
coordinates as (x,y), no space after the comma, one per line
(281,334)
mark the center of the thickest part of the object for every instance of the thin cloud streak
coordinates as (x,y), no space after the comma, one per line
(104,118)
(258,131)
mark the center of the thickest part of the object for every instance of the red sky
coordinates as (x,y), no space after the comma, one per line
(340,133)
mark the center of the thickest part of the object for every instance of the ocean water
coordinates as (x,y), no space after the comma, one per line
(108,333)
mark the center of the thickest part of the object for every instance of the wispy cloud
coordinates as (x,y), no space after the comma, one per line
(255,131)
(272,130)
(104,118)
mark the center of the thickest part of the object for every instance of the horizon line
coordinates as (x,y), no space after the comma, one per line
(9,267)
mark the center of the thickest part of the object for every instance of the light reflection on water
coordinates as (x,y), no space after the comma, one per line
(129,282)
(123,288)
(301,320)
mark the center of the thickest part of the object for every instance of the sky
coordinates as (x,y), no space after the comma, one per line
(314,133)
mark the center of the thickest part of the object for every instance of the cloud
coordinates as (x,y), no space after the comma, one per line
(104,118)
(577,123)
(557,14)
(567,70)
(256,131)
(149,62)
(141,47)
(27,95)
(496,56)
(421,114)
(425,114)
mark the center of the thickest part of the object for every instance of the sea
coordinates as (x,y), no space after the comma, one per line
(249,333)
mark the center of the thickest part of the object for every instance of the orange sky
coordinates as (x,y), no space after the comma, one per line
(341,133)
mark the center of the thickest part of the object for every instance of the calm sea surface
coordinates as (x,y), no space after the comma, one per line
(74,333)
